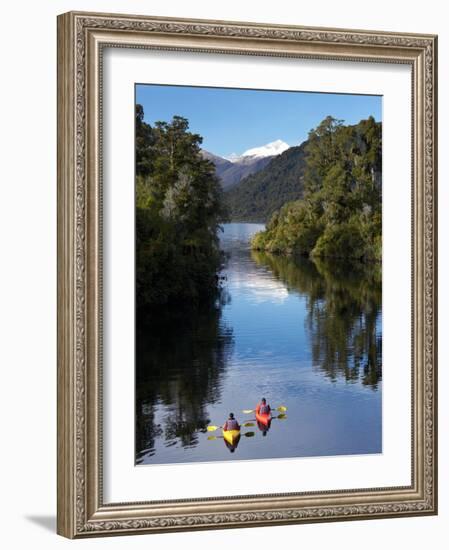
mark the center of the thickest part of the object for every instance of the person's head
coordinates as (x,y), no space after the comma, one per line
(263,400)
(231,416)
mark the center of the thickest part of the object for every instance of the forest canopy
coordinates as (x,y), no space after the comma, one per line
(340,213)
(178,209)
(179,206)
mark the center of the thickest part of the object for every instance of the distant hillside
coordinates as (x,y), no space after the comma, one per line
(222,165)
(231,173)
(258,195)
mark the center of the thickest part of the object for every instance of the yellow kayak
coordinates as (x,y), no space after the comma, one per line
(231,436)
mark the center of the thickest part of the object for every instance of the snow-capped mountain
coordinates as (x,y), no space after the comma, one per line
(269,150)
(233,169)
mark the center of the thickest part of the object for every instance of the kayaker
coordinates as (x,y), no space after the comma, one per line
(263,407)
(231,423)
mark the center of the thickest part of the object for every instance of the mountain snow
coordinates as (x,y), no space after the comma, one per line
(231,170)
(269,150)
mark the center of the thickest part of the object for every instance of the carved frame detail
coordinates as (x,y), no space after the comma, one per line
(81,39)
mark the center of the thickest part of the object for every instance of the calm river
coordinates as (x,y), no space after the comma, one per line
(304,335)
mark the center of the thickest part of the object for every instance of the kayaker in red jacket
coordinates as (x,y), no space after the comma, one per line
(231,423)
(263,407)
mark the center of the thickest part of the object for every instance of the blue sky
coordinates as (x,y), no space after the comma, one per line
(232,120)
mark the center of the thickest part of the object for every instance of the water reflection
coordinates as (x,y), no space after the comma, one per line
(343,313)
(264,427)
(233,444)
(304,334)
(180,360)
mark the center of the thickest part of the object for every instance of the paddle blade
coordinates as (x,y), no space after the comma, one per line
(282,408)
(212,438)
(212,428)
(248,411)
(249,434)
(281,416)
(248,425)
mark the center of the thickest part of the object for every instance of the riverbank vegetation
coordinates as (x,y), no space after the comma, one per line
(340,214)
(178,210)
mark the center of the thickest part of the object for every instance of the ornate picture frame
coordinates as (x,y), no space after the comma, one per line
(82,38)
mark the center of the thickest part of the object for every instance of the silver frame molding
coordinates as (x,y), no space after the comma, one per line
(81,39)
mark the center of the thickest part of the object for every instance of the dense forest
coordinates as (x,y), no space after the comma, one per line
(322,199)
(178,210)
(339,214)
(198,300)
(259,195)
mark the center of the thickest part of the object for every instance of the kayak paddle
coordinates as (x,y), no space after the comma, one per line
(282,408)
(214,428)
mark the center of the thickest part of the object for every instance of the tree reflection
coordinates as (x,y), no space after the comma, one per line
(180,359)
(343,313)
(181,356)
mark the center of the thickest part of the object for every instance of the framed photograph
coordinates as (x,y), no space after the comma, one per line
(246,274)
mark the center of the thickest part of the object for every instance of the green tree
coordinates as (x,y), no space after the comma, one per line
(144,142)
(178,209)
(322,153)
(340,213)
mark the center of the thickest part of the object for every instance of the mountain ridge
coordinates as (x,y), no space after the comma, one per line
(271,149)
(258,195)
(232,172)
